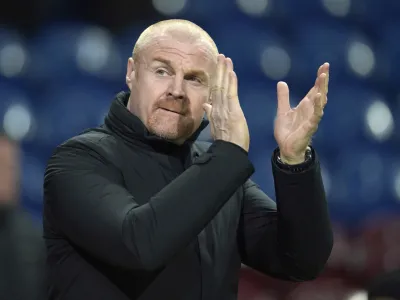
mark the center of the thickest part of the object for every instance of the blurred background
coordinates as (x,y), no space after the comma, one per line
(61,63)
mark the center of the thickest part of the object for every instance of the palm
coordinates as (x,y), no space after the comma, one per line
(294,127)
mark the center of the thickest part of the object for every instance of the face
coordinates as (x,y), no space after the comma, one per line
(8,171)
(169,83)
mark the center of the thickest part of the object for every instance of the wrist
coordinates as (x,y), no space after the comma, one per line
(294,159)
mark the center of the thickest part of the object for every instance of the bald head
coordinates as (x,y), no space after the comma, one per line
(180,29)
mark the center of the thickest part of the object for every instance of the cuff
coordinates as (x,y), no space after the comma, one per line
(304,166)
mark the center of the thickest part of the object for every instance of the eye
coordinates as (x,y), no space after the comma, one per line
(162,72)
(194,78)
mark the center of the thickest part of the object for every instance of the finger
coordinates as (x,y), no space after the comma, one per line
(229,64)
(321,83)
(318,109)
(324,68)
(311,93)
(317,86)
(233,85)
(324,88)
(220,70)
(233,99)
(215,92)
(207,108)
(283,97)
(327,79)
(227,71)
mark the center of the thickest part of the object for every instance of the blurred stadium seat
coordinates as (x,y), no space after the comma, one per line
(14,56)
(316,43)
(390,52)
(203,12)
(90,50)
(67,111)
(245,44)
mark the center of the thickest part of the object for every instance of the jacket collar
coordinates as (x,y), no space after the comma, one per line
(131,129)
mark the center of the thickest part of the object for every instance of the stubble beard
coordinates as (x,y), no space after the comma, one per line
(170,129)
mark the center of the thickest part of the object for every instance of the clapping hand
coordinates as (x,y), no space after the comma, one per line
(294,127)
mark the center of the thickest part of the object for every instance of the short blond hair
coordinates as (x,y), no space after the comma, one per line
(163,27)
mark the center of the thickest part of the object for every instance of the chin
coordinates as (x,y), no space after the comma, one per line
(166,133)
(169,131)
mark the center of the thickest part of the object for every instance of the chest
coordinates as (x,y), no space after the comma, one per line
(214,250)
(146,174)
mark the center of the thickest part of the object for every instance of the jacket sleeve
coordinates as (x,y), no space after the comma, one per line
(293,239)
(91,207)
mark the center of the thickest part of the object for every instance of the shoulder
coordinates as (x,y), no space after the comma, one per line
(91,149)
(90,139)
(84,156)
(94,142)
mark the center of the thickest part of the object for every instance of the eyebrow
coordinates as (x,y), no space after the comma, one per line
(197,72)
(163,60)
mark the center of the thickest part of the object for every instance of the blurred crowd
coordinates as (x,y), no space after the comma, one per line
(61,63)
(22,253)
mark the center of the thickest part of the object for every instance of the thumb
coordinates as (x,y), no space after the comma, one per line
(207,108)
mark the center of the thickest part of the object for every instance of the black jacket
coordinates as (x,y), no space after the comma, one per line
(128,215)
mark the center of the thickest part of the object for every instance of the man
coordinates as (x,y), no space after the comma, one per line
(21,245)
(138,209)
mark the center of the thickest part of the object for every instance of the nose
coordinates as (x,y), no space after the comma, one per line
(176,88)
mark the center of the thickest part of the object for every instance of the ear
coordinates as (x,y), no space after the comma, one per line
(130,72)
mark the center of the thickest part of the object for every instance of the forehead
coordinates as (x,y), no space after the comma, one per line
(182,52)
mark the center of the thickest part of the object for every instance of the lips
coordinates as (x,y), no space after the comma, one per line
(171,110)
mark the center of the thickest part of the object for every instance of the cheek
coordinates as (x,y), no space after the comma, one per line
(197,105)
(150,91)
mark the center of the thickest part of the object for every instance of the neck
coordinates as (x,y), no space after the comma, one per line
(129,104)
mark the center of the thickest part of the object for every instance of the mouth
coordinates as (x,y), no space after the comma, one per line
(171,111)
